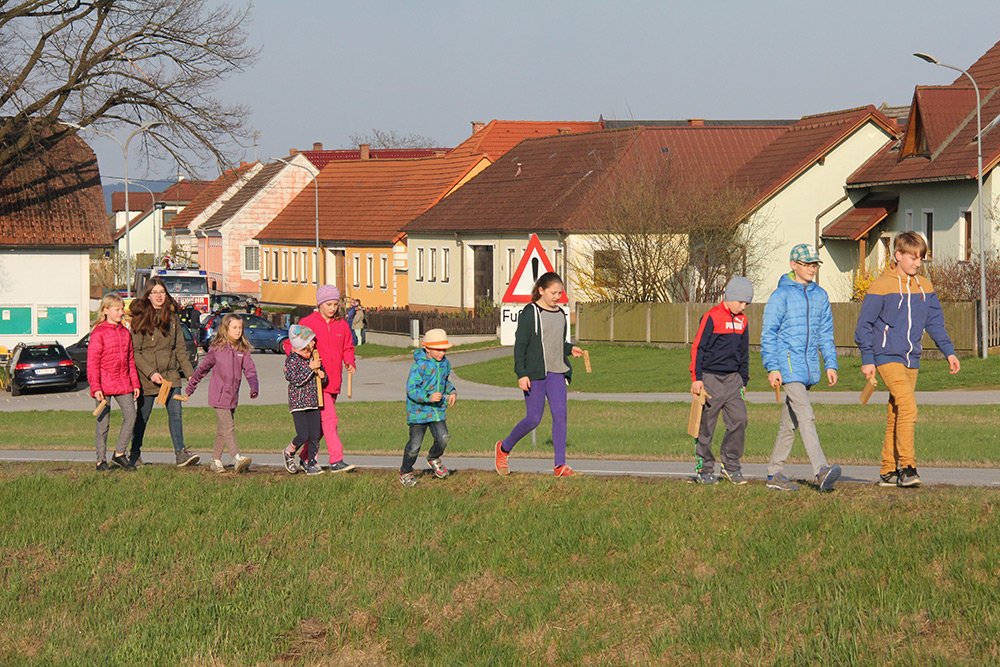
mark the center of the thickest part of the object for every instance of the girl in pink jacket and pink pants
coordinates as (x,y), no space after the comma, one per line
(336,350)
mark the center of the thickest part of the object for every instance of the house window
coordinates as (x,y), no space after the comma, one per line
(315,268)
(283,268)
(606,268)
(445,264)
(274,266)
(357,270)
(303,266)
(965,236)
(928,216)
(293,272)
(251,258)
(264,268)
(511,263)
(370,271)
(384,262)
(420,264)
(557,259)
(432,274)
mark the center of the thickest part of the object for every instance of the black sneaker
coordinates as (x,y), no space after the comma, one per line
(908,477)
(340,466)
(291,465)
(103,466)
(186,458)
(313,469)
(122,462)
(891,478)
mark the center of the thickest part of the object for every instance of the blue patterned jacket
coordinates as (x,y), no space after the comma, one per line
(427,377)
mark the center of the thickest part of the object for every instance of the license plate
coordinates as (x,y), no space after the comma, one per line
(45,371)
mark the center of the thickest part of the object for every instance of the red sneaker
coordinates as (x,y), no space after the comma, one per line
(501,460)
(564,471)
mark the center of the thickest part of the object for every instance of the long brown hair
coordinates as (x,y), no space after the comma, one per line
(146,318)
(221,337)
(544,282)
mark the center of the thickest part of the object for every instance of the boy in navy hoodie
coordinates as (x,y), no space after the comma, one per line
(720,364)
(898,307)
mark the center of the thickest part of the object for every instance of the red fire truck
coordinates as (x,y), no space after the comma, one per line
(187,285)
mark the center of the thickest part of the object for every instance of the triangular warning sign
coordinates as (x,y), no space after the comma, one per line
(533,263)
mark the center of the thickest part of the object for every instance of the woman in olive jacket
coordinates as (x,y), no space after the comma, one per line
(159,355)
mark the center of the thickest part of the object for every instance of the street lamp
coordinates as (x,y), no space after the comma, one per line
(156,205)
(145,127)
(983,332)
(316,184)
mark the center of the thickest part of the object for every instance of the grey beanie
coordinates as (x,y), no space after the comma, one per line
(739,289)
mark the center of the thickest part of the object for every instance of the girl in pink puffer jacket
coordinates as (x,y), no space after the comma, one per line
(111,374)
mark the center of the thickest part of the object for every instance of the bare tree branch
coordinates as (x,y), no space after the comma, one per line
(115,64)
(390,139)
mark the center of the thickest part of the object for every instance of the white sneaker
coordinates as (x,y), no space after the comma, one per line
(241,463)
(217,466)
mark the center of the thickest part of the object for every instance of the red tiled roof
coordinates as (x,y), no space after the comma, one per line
(242,196)
(138,200)
(986,71)
(547,184)
(320,159)
(368,201)
(798,147)
(181,192)
(499,136)
(949,121)
(862,217)
(55,199)
(215,189)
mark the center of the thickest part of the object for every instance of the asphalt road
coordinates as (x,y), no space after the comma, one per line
(384,379)
(756,472)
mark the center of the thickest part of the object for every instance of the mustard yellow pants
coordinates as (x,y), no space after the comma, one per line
(897,448)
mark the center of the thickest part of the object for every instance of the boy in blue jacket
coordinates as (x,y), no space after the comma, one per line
(898,307)
(797,328)
(429,391)
(720,364)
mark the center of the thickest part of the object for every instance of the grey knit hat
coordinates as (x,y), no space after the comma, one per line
(739,289)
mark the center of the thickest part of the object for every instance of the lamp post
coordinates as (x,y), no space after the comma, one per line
(983,332)
(316,199)
(145,127)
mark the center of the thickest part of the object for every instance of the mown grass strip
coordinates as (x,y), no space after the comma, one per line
(946,435)
(644,369)
(179,568)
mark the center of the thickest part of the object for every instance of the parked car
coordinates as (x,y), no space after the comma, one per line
(38,365)
(228,301)
(262,334)
(78,350)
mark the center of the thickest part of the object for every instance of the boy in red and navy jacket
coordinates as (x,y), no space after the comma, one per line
(720,364)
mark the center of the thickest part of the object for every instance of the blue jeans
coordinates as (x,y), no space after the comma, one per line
(552,387)
(174,423)
(439,431)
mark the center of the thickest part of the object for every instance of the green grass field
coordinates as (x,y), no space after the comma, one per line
(967,436)
(173,567)
(641,368)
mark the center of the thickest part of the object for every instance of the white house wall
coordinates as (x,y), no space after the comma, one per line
(438,292)
(40,281)
(792,213)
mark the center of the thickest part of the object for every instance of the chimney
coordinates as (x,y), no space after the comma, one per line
(293,151)
(365,154)
(696,122)
(476,126)
(244,163)
(564,130)
(317,145)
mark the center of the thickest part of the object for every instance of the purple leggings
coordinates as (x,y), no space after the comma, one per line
(553,387)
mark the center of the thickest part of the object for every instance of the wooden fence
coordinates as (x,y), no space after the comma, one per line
(677,323)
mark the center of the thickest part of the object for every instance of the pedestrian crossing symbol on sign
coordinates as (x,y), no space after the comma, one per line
(533,263)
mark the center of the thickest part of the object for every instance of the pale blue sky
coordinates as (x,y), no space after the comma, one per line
(330,68)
